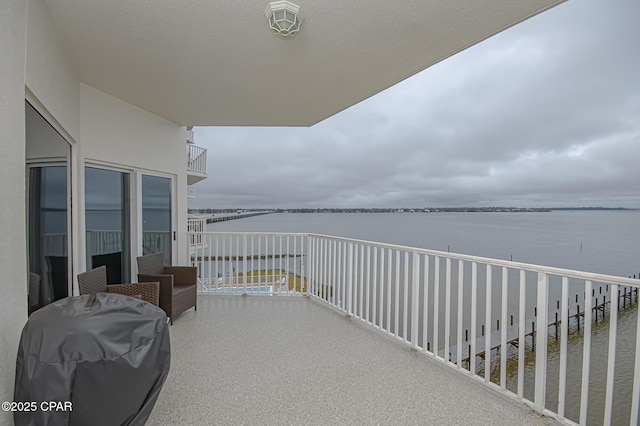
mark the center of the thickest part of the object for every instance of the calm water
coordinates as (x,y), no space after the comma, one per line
(596,241)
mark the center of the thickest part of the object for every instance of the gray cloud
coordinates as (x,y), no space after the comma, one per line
(544,114)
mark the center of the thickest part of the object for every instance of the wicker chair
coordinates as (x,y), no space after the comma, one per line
(178,284)
(95,281)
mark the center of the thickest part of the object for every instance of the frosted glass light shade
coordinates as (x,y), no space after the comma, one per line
(284,18)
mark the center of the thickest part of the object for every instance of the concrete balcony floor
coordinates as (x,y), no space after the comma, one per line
(268,360)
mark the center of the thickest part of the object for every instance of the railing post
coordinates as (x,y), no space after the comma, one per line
(487,320)
(447,310)
(414,300)
(460,313)
(204,161)
(564,337)
(309,266)
(541,342)
(636,375)
(405,306)
(350,280)
(436,303)
(611,357)
(504,329)
(474,313)
(586,353)
(521,331)
(244,264)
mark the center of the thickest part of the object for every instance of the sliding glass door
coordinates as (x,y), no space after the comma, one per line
(48,211)
(107,222)
(156,216)
(48,235)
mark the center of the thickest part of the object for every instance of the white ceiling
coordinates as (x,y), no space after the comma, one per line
(216,62)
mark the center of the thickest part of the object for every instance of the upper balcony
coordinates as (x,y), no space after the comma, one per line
(196,163)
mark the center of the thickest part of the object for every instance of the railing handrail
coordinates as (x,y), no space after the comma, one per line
(297,234)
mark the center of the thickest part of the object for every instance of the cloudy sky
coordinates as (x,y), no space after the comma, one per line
(544,114)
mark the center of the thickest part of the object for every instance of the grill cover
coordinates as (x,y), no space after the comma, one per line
(107,354)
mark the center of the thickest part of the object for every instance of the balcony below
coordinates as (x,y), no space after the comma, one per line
(290,360)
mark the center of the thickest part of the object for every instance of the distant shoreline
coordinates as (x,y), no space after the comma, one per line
(419,210)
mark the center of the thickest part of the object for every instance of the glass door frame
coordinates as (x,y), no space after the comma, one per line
(71,160)
(41,163)
(132,208)
(139,215)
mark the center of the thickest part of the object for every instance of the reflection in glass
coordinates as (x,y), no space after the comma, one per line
(47,154)
(107,222)
(156,216)
(48,242)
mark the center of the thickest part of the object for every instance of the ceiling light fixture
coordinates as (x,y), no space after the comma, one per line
(284,18)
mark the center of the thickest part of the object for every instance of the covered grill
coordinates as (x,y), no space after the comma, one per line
(106,354)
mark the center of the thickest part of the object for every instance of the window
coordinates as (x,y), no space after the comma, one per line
(107,222)
(156,216)
(48,212)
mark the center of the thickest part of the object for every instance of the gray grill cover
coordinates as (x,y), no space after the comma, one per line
(108,356)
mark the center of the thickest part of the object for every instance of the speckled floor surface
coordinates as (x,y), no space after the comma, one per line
(270,361)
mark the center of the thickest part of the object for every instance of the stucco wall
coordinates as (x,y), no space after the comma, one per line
(114,132)
(13,262)
(49,73)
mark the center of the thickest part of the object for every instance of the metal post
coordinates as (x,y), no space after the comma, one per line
(541,342)
(350,280)
(415,278)
(586,358)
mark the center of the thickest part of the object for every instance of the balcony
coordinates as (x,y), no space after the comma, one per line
(196,164)
(261,360)
(408,335)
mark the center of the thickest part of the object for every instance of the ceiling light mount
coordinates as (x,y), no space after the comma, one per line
(284,18)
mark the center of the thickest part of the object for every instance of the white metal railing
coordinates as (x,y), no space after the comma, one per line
(196,159)
(196,225)
(244,263)
(535,333)
(195,229)
(190,138)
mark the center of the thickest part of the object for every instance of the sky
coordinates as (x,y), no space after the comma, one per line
(545,114)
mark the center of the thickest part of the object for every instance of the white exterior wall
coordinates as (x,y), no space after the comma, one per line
(113,131)
(49,74)
(13,259)
(52,87)
(109,131)
(118,134)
